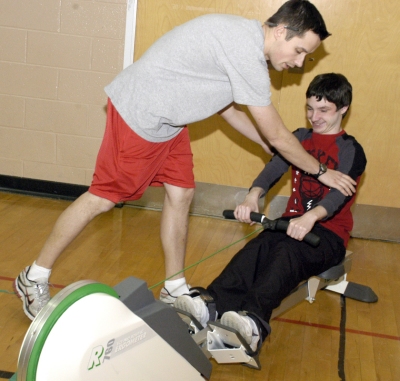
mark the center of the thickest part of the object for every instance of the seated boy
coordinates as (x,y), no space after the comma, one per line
(271,265)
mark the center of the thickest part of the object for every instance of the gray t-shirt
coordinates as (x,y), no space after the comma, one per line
(191,73)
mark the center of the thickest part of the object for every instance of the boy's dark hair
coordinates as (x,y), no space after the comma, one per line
(299,16)
(333,87)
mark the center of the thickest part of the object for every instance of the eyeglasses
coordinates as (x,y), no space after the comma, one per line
(272,24)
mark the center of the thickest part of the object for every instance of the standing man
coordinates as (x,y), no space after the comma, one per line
(208,65)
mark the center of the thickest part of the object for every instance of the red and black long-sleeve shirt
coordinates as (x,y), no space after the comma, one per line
(339,152)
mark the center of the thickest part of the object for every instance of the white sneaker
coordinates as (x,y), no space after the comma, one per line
(167,298)
(195,306)
(244,325)
(33,293)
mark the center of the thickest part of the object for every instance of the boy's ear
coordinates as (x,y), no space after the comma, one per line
(344,109)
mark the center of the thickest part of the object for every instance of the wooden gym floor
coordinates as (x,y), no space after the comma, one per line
(305,341)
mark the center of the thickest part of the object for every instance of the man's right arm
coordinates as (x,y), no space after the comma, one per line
(238,119)
(266,179)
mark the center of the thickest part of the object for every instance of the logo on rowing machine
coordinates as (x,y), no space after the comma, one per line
(119,345)
(96,357)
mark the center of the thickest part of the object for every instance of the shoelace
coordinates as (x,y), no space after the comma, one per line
(42,293)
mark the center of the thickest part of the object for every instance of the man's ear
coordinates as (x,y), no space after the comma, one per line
(280,31)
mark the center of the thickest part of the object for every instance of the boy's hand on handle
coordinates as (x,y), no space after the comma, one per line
(242,213)
(299,227)
(250,204)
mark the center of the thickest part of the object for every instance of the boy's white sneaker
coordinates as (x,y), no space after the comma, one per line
(195,306)
(245,325)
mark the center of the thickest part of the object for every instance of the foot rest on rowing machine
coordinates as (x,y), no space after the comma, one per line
(210,340)
(193,324)
(195,329)
(240,352)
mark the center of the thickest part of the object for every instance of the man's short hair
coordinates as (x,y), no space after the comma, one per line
(299,16)
(333,87)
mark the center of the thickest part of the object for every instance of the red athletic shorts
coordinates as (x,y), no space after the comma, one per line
(127,164)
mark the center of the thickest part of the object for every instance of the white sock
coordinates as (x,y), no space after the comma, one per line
(177,287)
(38,272)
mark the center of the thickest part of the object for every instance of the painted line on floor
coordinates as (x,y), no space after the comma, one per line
(332,328)
(12,280)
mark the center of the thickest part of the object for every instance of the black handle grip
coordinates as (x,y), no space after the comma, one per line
(256,217)
(228,214)
(312,239)
(280,225)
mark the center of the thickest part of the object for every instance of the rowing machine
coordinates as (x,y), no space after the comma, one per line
(90,331)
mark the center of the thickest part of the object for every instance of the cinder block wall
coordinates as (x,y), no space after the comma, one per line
(56,56)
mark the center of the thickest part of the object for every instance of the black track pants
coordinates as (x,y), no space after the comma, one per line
(269,267)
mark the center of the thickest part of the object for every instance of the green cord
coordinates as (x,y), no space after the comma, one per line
(202,260)
(190,266)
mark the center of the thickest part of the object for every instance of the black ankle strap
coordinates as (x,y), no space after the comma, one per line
(262,326)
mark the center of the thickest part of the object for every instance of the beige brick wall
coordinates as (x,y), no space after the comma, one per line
(56,56)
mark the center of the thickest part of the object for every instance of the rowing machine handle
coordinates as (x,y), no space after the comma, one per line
(255,217)
(280,225)
(311,238)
